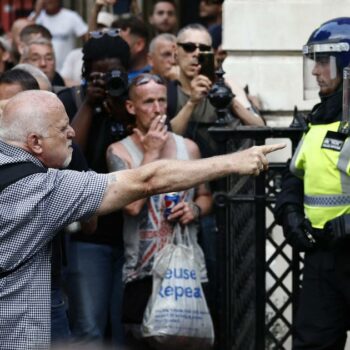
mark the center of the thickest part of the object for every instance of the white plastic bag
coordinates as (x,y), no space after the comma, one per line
(177,315)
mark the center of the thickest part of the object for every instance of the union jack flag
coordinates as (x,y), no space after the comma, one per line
(154,232)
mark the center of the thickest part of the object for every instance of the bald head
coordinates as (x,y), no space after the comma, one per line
(39,75)
(37,122)
(161,55)
(28,112)
(165,37)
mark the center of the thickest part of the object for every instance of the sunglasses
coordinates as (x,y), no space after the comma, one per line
(145,78)
(97,34)
(191,47)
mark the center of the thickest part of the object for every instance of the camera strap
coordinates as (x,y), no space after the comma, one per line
(13,172)
(9,174)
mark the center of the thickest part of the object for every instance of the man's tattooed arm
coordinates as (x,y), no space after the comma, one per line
(114,162)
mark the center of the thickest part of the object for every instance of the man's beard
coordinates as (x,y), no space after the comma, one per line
(67,162)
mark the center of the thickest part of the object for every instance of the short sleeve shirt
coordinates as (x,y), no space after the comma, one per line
(65,27)
(33,210)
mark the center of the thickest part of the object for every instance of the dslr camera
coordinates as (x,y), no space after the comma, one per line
(116,83)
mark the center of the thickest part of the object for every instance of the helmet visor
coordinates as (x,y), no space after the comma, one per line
(318,69)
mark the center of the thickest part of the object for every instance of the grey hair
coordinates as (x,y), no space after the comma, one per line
(26,113)
(37,41)
(193,26)
(165,37)
(37,73)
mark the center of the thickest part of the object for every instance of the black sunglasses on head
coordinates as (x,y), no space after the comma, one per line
(191,47)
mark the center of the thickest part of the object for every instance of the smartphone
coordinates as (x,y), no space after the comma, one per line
(206,60)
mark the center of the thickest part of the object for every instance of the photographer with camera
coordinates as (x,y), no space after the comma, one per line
(97,112)
(192,112)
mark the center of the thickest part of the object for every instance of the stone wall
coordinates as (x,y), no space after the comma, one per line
(264,40)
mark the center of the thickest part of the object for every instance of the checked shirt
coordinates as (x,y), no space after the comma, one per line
(33,210)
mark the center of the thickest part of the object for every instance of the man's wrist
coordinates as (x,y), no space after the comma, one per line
(196,209)
(192,104)
(150,156)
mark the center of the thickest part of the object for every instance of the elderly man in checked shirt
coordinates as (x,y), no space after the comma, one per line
(34,127)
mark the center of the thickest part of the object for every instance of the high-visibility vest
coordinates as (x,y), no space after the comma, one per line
(322,161)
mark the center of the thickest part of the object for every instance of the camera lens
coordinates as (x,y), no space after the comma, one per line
(116,83)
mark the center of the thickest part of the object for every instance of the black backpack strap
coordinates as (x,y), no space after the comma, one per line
(9,174)
(172,98)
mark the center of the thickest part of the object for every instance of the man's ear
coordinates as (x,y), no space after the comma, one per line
(6,56)
(139,44)
(34,144)
(129,105)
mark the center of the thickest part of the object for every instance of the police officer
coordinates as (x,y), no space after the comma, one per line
(314,204)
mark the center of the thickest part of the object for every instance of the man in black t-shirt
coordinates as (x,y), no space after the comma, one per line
(95,261)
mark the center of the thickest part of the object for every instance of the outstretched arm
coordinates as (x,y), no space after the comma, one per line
(187,211)
(171,175)
(247,116)
(242,107)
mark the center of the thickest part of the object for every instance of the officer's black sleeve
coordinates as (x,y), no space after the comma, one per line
(292,192)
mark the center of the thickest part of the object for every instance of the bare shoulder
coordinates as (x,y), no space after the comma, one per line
(116,148)
(118,157)
(193,149)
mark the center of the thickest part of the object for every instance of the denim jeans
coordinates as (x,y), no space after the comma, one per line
(95,290)
(59,321)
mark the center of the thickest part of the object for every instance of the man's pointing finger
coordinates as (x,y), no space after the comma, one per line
(272,148)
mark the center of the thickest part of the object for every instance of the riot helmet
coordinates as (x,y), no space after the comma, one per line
(326,51)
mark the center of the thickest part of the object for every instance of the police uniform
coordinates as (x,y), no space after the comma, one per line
(318,185)
(322,162)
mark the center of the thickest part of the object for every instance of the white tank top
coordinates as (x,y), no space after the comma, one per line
(148,232)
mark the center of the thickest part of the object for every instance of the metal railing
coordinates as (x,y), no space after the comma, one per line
(259,273)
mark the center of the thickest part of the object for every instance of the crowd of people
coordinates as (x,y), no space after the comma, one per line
(129,98)
(92,138)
